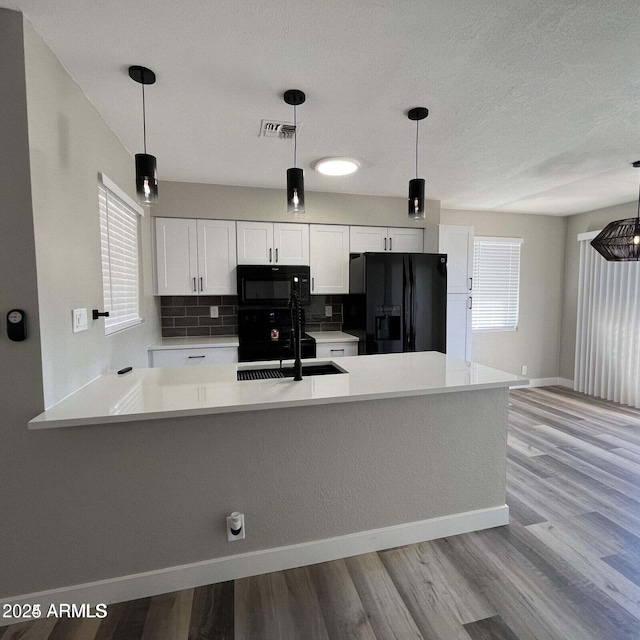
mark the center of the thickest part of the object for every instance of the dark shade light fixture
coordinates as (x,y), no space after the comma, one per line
(295,176)
(416,186)
(146,169)
(619,241)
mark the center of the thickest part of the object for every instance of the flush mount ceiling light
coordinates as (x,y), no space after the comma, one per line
(416,186)
(619,241)
(295,176)
(146,169)
(336,166)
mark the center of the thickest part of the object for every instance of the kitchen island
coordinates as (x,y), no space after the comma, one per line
(400,448)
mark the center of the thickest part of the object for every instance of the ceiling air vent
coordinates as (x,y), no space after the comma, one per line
(275,129)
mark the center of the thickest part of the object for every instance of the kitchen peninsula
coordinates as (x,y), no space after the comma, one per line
(399,448)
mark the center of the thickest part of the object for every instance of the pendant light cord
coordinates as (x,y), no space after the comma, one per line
(144,119)
(417,121)
(295,137)
(638,220)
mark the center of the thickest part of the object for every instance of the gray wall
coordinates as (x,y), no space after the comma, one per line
(589,221)
(69,144)
(195,200)
(536,343)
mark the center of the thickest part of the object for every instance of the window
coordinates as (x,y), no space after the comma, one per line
(496,284)
(119,245)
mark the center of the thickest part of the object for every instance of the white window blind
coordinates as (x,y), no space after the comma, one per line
(607,363)
(119,245)
(496,284)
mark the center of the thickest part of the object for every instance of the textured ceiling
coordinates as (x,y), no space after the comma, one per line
(534,104)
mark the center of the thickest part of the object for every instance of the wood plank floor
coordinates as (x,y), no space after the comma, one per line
(566,568)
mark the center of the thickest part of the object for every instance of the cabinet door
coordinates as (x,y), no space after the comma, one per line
(217,257)
(405,240)
(255,242)
(176,256)
(368,239)
(290,243)
(459,325)
(457,243)
(329,258)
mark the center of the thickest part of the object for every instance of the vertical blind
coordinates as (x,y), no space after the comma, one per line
(119,244)
(607,363)
(496,284)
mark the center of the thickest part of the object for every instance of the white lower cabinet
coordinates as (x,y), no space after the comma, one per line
(459,325)
(184,357)
(336,349)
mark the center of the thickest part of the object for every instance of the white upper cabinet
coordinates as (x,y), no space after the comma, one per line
(457,243)
(329,254)
(393,239)
(195,257)
(272,243)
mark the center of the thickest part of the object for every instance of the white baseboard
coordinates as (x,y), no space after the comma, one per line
(546,382)
(186,576)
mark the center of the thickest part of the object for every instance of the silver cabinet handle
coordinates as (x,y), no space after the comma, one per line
(276,255)
(270,250)
(194,284)
(470,302)
(201,289)
(196,357)
(313,284)
(470,284)
(385,244)
(390,244)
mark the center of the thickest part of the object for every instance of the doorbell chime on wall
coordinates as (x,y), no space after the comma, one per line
(16,325)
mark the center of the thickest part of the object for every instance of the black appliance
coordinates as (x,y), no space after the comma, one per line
(271,286)
(265,334)
(397,302)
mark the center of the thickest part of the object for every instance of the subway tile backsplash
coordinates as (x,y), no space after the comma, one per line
(190,315)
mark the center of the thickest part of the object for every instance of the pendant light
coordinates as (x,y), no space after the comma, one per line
(295,176)
(146,170)
(416,186)
(619,241)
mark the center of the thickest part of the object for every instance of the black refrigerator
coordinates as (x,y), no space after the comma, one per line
(397,302)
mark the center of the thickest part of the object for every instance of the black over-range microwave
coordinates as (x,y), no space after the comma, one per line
(271,286)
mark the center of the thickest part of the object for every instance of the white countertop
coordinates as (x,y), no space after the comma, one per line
(144,394)
(331,336)
(194,343)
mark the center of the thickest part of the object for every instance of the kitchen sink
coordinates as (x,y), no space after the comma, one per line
(325,369)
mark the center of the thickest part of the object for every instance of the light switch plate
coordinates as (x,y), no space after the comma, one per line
(214,312)
(79,320)
(328,311)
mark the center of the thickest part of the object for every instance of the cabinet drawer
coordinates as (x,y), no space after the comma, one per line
(336,349)
(183,357)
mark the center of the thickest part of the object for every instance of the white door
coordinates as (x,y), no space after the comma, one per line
(459,325)
(405,240)
(217,257)
(290,243)
(364,239)
(255,242)
(329,253)
(457,243)
(176,257)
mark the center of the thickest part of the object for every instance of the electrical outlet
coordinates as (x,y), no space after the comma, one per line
(524,369)
(213,312)
(328,311)
(79,320)
(235,527)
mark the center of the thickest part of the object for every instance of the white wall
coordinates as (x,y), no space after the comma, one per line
(70,144)
(536,343)
(580,223)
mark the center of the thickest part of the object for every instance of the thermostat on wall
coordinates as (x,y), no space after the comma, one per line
(16,325)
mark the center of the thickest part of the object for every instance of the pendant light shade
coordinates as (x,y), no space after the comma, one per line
(146,168)
(295,176)
(416,186)
(619,241)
